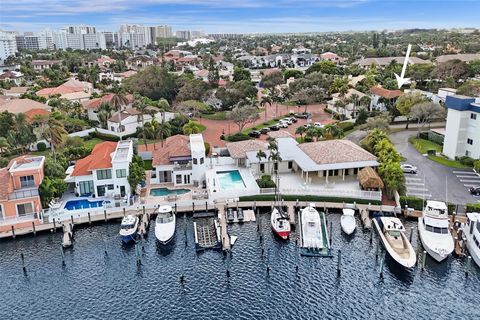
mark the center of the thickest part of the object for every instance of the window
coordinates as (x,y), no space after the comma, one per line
(27,181)
(1,212)
(121,173)
(473,116)
(24,209)
(194,160)
(85,187)
(201,160)
(104,174)
(110,187)
(178,179)
(290,164)
(469,141)
(262,167)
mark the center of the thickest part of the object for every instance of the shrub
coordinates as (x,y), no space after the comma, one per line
(3,162)
(328,110)
(266,182)
(412,202)
(237,137)
(473,207)
(207,148)
(103,136)
(41,146)
(346,126)
(466,161)
(308,198)
(431,152)
(476,165)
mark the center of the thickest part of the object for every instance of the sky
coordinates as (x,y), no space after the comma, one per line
(242,16)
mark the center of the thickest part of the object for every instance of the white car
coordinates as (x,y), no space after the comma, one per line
(318,125)
(408,168)
(282,124)
(287,120)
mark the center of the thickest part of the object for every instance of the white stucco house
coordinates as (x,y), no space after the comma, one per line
(103,173)
(181,161)
(128,120)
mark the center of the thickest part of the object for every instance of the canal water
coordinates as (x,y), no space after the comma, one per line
(93,285)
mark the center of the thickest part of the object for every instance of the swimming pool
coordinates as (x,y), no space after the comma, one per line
(84,204)
(230,180)
(161,192)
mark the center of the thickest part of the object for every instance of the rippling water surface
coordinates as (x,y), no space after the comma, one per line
(93,285)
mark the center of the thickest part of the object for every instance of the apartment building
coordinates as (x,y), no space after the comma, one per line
(8,45)
(462,132)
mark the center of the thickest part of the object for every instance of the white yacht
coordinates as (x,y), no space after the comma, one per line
(314,234)
(280,224)
(471,233)
(434,232)
(392,233)
(165,224)
(347,221)
(128,228)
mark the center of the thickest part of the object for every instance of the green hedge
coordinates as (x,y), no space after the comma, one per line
(303,198)
(237,137)
(473,207)
(103,136)
(346,126)
(412,202)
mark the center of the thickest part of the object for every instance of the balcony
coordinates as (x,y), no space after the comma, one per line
(23,193)
(21,219)
(183,166)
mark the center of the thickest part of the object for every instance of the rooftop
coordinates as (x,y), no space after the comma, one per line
(22,105)
(123,150)
(174,146)
(240,149)
(385,93)
(100,158)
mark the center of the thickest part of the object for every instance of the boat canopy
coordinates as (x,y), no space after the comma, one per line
(392,224)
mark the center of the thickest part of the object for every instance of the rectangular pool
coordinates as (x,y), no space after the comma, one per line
(84,204)
(161,192)
(230,180)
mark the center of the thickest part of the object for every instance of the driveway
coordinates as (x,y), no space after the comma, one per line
(433,180)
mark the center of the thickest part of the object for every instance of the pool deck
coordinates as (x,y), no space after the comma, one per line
(215,191)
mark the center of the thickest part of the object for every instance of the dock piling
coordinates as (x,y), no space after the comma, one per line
(54,226)
(71,218)
(371,236)
(424,257)
(63,256)
(382,263)
(23,263)
(467,265)
(411,234)
(339,260)
(124,211)
(105,215)
(13,232)
(331,232)
(193,207)
(378,249)
(89,218)
(33,226)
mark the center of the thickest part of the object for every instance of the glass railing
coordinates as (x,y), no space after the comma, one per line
(23,193)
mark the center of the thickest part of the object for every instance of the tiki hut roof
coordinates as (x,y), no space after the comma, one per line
(369,179)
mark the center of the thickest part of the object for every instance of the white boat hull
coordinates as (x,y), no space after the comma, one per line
(405,262)
(280,225)
(348,224)
(164,232)
(438,250)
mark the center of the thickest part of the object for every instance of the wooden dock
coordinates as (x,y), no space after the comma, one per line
(454,225)
(222,219)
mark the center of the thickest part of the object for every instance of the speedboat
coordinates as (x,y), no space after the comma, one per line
(128,228)
(280,223)
(471,234)
(165,224)
(347,221)
(230,215)
(434,232)
(314,233)
(392,234)
(240,215)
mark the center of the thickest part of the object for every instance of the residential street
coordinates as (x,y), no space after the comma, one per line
(433,180)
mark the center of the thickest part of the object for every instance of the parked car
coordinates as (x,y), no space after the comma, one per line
(274,127)
(475,191)
(408,168)
(302,115)
(318,125)
(254,134)
(294,120)
(282,124)
(287,120)
(264,130)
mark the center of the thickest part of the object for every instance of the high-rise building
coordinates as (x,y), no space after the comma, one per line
(8,45)
(195,34)
(109,40)
(31,41)
(135,36)
(80,29)
(183,34)
(160,32)
(78,38)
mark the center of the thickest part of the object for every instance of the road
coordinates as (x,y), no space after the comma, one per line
(433,180)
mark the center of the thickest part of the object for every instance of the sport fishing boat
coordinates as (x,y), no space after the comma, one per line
(279,218)
(313,233)
(471,234)
(434,232)
(128,228)
(392,233)
(347,221)
(165,224)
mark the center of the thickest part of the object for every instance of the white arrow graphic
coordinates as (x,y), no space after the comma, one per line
(400,79)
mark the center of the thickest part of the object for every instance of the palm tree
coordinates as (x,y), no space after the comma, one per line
(142,107)
(340,104)
(22,134)
(190,128)
(365,101)
(55,132)
(301,131)
(266,99)
(4,145)
(117,101)
(158,130)
(104,113)
(260,155)
(331,131)
(274,154)
(354,99)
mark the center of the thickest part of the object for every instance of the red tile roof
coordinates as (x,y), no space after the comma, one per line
(388,94)
(32,113)
(95,103)
(70,86)
(174,146)
(100,158)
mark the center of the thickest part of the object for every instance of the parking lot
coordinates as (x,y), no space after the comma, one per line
(433,180)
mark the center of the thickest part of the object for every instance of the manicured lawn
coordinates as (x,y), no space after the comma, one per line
(221,115)
(423,146)
(92,142)
(147,164)
(447,162)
